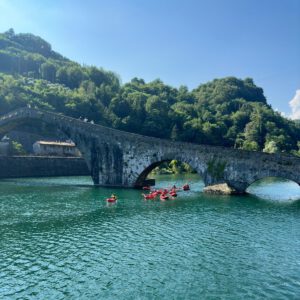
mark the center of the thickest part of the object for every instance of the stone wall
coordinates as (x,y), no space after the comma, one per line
(35,166)
(4,148)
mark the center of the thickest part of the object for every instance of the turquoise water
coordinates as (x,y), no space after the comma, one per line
(61,240)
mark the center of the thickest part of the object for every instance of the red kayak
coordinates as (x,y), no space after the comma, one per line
(111,200)
(186,187)
(149,196)
(163,197)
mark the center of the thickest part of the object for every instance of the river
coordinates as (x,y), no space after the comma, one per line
(59,239)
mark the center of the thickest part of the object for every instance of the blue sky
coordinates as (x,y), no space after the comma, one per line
(182,42)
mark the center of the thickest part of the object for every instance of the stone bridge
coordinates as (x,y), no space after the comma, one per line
(118,158)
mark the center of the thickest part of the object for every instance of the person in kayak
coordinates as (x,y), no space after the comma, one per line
(186,187)
(113,196)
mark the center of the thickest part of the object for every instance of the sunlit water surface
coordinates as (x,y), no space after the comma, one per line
(60,240)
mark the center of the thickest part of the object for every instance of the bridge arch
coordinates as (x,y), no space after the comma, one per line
(281,174)
(38,127)
(146,168)
(275,188)
(272,178)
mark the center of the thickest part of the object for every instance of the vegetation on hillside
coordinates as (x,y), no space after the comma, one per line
(228,112)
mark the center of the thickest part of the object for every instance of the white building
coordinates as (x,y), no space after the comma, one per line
(51,148)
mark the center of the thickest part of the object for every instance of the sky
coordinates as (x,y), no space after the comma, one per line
(181,42)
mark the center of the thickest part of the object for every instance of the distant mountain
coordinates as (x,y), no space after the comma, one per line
(228,111)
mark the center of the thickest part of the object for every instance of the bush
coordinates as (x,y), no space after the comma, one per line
(17,149)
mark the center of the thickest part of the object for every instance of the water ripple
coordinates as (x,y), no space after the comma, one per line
(61,242)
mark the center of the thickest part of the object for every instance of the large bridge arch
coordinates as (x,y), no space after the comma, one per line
(157,161)
(118,158)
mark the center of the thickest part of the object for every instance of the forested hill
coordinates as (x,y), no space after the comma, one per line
(228,111)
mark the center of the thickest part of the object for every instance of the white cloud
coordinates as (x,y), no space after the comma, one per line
(295,106)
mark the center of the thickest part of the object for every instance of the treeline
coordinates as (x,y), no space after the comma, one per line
(229,112)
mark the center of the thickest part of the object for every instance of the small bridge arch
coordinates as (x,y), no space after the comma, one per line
(282,171)
(275,189)
(263,178)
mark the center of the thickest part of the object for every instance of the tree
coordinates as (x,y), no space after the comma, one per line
(17,149)
(75,76)
(250,145)
(96,75)
(9,33)
(270,147)
(174,133)
(62,76)
(48,71)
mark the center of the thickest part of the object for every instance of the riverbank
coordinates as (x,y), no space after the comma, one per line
(41,166)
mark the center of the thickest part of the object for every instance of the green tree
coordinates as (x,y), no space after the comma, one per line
(17,149)
(270,147)
(250,145)
(174,133)
(48,71)
(62,76)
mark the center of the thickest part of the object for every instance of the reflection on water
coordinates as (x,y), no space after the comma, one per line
(270,188)
(60,240)
(275,189)
(49,181)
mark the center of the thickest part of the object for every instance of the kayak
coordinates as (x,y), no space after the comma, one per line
(149,196)
(163,197)
(147,188)
(111,200)
(186,187)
